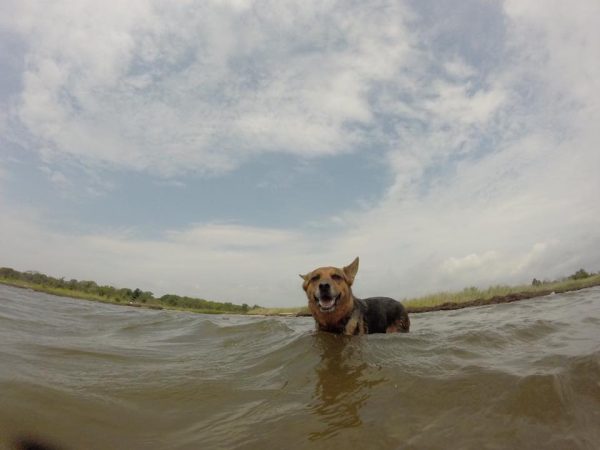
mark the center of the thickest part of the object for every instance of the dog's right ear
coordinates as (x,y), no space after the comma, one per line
(350,271)
(303,276)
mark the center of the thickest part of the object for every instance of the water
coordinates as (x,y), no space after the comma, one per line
(85,375)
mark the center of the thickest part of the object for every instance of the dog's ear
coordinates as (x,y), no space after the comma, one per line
(350,270)
(305,280)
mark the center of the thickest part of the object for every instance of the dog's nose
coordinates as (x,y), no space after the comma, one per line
(323,287)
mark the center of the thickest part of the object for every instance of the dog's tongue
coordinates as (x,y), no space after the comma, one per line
(327,303)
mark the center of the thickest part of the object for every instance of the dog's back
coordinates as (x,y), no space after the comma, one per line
(383,315)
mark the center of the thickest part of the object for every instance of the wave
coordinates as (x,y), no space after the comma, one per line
(503,376)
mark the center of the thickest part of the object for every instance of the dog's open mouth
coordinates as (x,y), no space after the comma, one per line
(327,304)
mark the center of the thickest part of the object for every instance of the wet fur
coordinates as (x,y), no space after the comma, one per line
(351,315)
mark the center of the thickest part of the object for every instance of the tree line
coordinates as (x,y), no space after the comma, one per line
(581,274)
(119,295)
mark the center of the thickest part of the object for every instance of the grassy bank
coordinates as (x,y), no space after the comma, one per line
(497,294)
(54,290)
(62,292)
(471,296)
(89,290)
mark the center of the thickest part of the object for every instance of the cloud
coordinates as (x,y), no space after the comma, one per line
(487,129)
(219,236)
(469,263)
(3,121)
(400,256)
(203,86)
(56,177)
(492,265)
(221,262)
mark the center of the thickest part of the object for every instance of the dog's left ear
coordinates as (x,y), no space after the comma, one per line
(304,281)
(350,270)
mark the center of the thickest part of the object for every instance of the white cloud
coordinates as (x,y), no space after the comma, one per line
(458,68)
(454,104)
(469,263)
(517,161)
(492,265)
(56,177)
(401,256)
(232,236)
(202,86)
(528,211)
(221,262)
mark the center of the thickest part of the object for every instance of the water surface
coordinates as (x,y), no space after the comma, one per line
(86,375)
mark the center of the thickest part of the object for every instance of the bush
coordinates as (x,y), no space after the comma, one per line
(579,275)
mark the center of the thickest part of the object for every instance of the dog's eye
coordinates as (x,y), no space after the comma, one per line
(336,277)
(315,277)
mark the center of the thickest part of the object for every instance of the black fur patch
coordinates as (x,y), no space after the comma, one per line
(379,313)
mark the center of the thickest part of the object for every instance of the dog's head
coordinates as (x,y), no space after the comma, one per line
(329,289)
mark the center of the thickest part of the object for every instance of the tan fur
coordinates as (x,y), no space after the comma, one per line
(347,317)
(345,304)
(341,281)
(356,324)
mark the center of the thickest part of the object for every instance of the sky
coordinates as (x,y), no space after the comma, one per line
(220,148)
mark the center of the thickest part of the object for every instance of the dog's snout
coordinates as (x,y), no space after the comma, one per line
(324,287)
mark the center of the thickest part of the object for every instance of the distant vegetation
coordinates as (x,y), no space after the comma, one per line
(579,280)
(89,290)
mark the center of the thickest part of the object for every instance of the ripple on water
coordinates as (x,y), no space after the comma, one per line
(523,375)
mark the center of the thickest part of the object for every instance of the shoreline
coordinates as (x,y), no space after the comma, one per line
(107,301)
(519,294)
(510,297)
(500,299)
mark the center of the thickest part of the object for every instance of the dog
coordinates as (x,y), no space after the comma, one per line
(336,310)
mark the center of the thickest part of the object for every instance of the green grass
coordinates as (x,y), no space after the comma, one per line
(62,292)
(466,295)
(473,293)
(427,301)
(55,290)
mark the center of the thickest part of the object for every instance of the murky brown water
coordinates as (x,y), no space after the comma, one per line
(84,375)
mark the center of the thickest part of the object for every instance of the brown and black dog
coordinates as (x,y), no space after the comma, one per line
(337,310)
